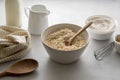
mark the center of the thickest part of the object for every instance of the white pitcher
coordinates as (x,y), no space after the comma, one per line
(38,19)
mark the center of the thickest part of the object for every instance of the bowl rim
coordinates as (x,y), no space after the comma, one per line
(41,37)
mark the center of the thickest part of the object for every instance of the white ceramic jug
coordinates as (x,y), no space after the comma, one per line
(13,13)
(38,19)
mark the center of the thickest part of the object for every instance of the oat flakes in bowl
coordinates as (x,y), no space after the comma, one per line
(57,40)
(53,39)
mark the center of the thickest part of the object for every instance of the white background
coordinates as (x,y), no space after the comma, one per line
(76,12)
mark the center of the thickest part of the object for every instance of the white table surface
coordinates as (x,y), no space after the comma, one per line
(87,67)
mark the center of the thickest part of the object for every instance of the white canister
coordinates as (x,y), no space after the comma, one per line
(38,19)
(13,13)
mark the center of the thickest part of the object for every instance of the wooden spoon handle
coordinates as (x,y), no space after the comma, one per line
(79,32)
(83,29)
(2,74)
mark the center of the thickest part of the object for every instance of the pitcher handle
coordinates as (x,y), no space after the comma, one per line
(26,11)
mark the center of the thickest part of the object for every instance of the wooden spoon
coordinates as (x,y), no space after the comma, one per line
(22,67)
(69,41)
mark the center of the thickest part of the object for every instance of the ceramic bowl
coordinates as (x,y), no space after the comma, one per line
(101,35)
(117,43)
(60,56)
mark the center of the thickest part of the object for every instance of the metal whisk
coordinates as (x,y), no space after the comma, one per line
(100,53)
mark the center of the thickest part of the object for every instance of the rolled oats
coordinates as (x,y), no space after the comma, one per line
(56,40)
